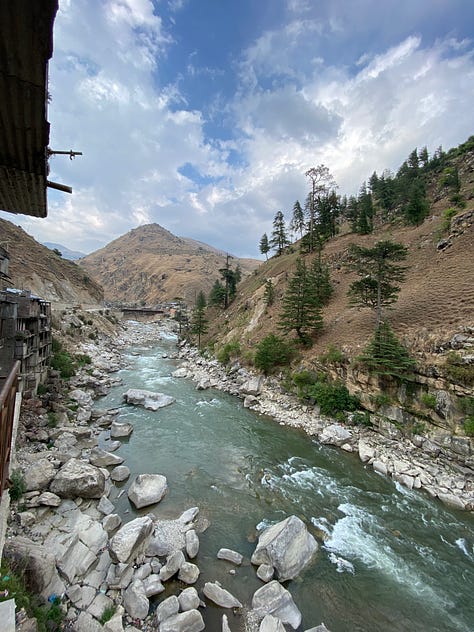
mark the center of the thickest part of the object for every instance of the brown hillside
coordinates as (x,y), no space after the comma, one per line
(435,302)
(150,265)
(37,268)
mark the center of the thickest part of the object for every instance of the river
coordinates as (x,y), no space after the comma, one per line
(391,559)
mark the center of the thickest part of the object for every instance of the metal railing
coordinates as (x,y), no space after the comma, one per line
(7,414)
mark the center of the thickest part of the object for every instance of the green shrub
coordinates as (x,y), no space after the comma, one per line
(448,215)
(429,400)
(467,405)
(333,355)
(107,614)
(52,419)
(229,350)
(63,362)
(56,345)
(271,352)
(360,418)
(457,371)
(82,359)
(17,485)
(41,390)
(381,399)
(469,426)
(333,398)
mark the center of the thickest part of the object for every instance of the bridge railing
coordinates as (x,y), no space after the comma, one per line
(7,414)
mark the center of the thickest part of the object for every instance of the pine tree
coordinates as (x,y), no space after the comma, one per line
(386,357)
(199,323)
(417,207)
(217,294)
(376,288)
(297,224)
(320,278)
(269,294)
(279,239)
(322,183)
(264,245)
(301,310)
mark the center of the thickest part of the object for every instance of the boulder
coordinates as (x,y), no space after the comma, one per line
(220,596)
(172,566)
(147,489)
(147,399)
(192,543)
(188,573)
(366,451)
(111,522)
(120,429)
(77,478)
(189,599)
(271,624)
(225,624)
(153,585)
(335,434)
(265,572)
(135,600)
(105,506)
(273,599)
(230,556)
(166,609)
(37,562)
(287,546)
(48,499)
(252,386)
(189,621)
(131,539)
(120,473)
(39,475)
(102,458)
(81,397)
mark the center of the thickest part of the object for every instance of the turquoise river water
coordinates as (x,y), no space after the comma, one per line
(391,560)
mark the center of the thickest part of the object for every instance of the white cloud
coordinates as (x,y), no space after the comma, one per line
(292,109)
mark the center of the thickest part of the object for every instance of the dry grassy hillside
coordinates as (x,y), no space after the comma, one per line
(151,265)
(435,302)
(37,268)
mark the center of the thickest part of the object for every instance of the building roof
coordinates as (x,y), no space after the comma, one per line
(26,45)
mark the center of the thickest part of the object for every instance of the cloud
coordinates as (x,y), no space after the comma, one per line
(218,168)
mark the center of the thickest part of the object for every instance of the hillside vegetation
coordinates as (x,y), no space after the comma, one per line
(433,316)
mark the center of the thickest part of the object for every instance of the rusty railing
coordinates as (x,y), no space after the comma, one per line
(7,413)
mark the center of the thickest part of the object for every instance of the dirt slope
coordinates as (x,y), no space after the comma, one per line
(150,265)
(37,268)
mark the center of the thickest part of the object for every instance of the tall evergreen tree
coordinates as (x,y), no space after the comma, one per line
(279,239)
(264,245)
(378,274)
(320,279)
(301,310)
(199,323)
(322,182)
(269,294)
(231,278)
(298,221)
(417,206)
(217,294)
(386,357)
(365,211)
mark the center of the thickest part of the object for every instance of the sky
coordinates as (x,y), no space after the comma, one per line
(204,115)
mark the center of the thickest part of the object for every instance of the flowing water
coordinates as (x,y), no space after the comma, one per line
(390,559)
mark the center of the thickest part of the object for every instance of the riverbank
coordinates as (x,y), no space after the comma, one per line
(81,529)
(417,462)
(79,554)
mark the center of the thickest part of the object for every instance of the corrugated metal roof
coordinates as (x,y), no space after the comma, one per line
(26,45)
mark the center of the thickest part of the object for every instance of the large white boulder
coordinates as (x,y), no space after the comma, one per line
(273,599)
(220,596)
(147,489)
(148,399)
(287,546)
(78,479)
(131,539)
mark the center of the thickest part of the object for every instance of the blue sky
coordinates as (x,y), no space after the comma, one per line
(204,115)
